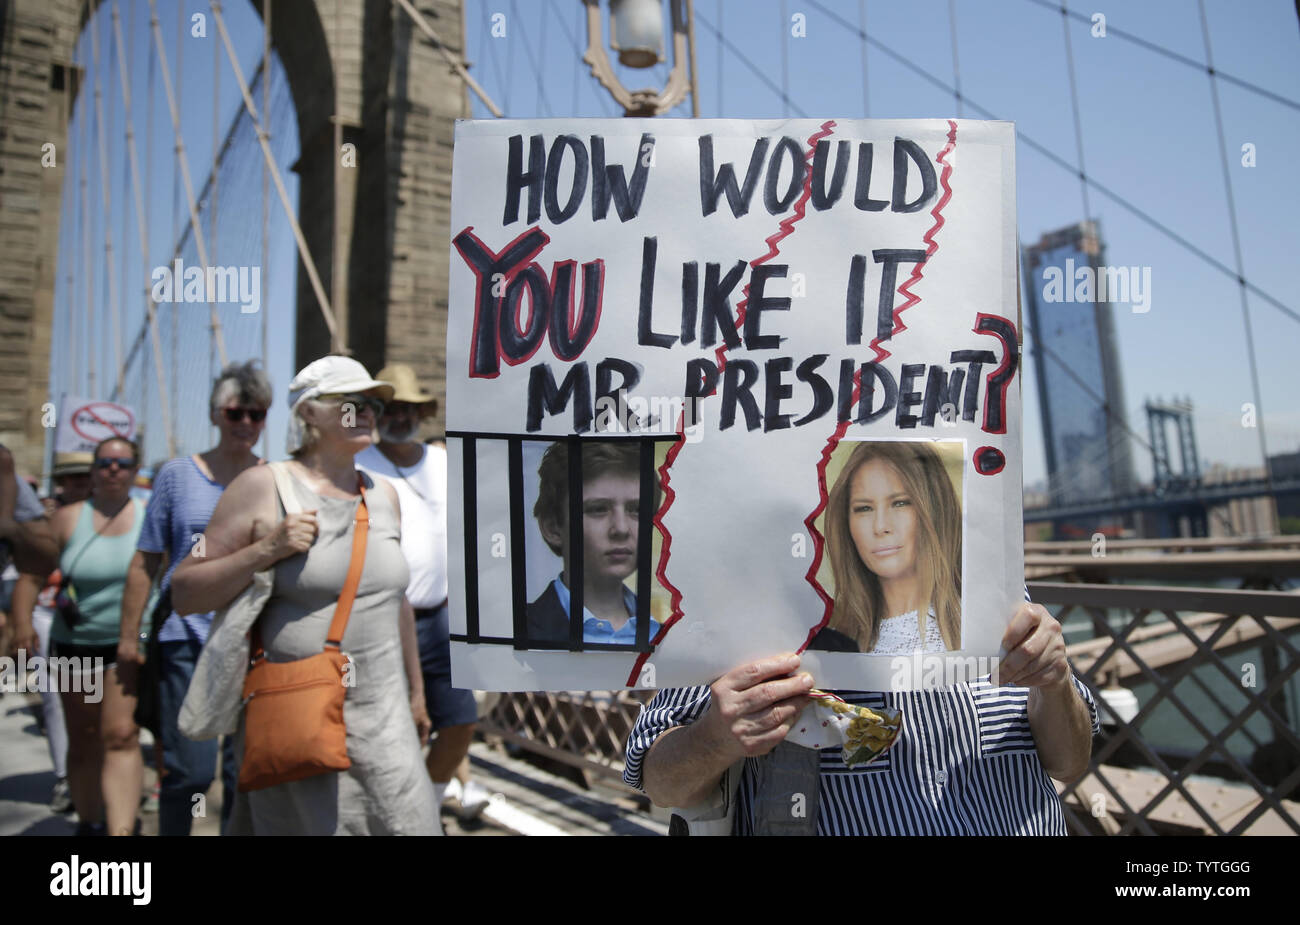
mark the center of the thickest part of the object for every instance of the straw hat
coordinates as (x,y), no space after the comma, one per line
(72,464)
(406,387)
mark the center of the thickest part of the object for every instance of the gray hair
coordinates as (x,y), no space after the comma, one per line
(243,381)
(301,431)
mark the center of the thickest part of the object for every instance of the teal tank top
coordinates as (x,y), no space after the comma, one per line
(98,566)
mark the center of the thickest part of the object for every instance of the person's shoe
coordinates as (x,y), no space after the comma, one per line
(149,801)
(451,791)
(474,799)
(61,801)
(91,828)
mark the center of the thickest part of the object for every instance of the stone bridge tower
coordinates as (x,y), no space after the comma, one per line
(361,74)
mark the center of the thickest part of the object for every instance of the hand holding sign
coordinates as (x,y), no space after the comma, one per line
(754,706)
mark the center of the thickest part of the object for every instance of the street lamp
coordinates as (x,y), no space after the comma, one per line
(637,34)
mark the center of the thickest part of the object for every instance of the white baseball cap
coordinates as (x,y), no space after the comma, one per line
(331,375)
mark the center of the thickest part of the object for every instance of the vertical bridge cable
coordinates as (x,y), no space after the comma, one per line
(87,274)
(1074,105)
(322,300)
(142,227)
(200,243)
(214,198)
(1236,244)
(785,62)
(718,58)
(956,69)
(264,135)
(862,44)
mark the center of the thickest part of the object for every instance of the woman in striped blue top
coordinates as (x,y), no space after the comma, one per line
(976,759)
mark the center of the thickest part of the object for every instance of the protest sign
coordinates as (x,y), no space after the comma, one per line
(729,389)
(84,422)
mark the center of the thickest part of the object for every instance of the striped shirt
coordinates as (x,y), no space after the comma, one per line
(964,764)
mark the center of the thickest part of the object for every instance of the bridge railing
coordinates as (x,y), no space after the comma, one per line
(1174,644)
(1159,636)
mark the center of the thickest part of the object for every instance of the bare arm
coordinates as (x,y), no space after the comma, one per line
(243,538)
(1062,729)
(20,608)
(139,579)
(1058,716)
(35,548)
(751,710)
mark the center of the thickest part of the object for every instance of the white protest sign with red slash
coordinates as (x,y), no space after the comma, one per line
(723,389)
(83,423)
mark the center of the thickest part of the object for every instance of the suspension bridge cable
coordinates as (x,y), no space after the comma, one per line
(541,45)
(142,227)
(1114,197)
(309,264)
(1175,56)
(719,59)
(88,276)
(200,242)
(532,61)
(496,59)
(862,30)
(106,197)
(1236,241)
(753,68)
(956,69)
(1074,107)
(214,198)
(457,64)
(602,101)
(510,59)
(785,62)
(264,133)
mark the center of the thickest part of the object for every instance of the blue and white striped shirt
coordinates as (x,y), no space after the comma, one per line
(964,764)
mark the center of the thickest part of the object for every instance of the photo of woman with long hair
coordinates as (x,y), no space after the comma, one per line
(893,530)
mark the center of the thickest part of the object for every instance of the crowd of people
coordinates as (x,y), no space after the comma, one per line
(131,590)
(338,557)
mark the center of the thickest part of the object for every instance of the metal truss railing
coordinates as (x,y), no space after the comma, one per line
(1163,636)
(1159,635)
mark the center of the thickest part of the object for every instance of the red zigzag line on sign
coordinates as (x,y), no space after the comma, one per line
(784,230)
(819,541)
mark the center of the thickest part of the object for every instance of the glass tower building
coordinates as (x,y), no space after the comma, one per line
(1080,387)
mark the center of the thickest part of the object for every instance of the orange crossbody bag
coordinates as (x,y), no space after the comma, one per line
(293,711)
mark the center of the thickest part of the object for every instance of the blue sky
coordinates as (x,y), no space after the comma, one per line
(1147,125)
(1148,135)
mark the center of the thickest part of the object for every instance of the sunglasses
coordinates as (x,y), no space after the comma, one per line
(108,462)
(359,402)
(235,415)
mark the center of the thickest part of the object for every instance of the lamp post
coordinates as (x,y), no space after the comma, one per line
(637,34)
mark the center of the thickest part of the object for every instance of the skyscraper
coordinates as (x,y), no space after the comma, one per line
(1080,387)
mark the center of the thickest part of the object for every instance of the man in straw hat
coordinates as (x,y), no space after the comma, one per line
(419,473)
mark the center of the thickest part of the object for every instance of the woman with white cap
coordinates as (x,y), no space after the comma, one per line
(334,403)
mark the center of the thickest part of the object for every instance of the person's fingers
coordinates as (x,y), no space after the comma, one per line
(759,699)
(1032,654)
(755,673)
(1023,622)
(780,714)
(1046,676)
